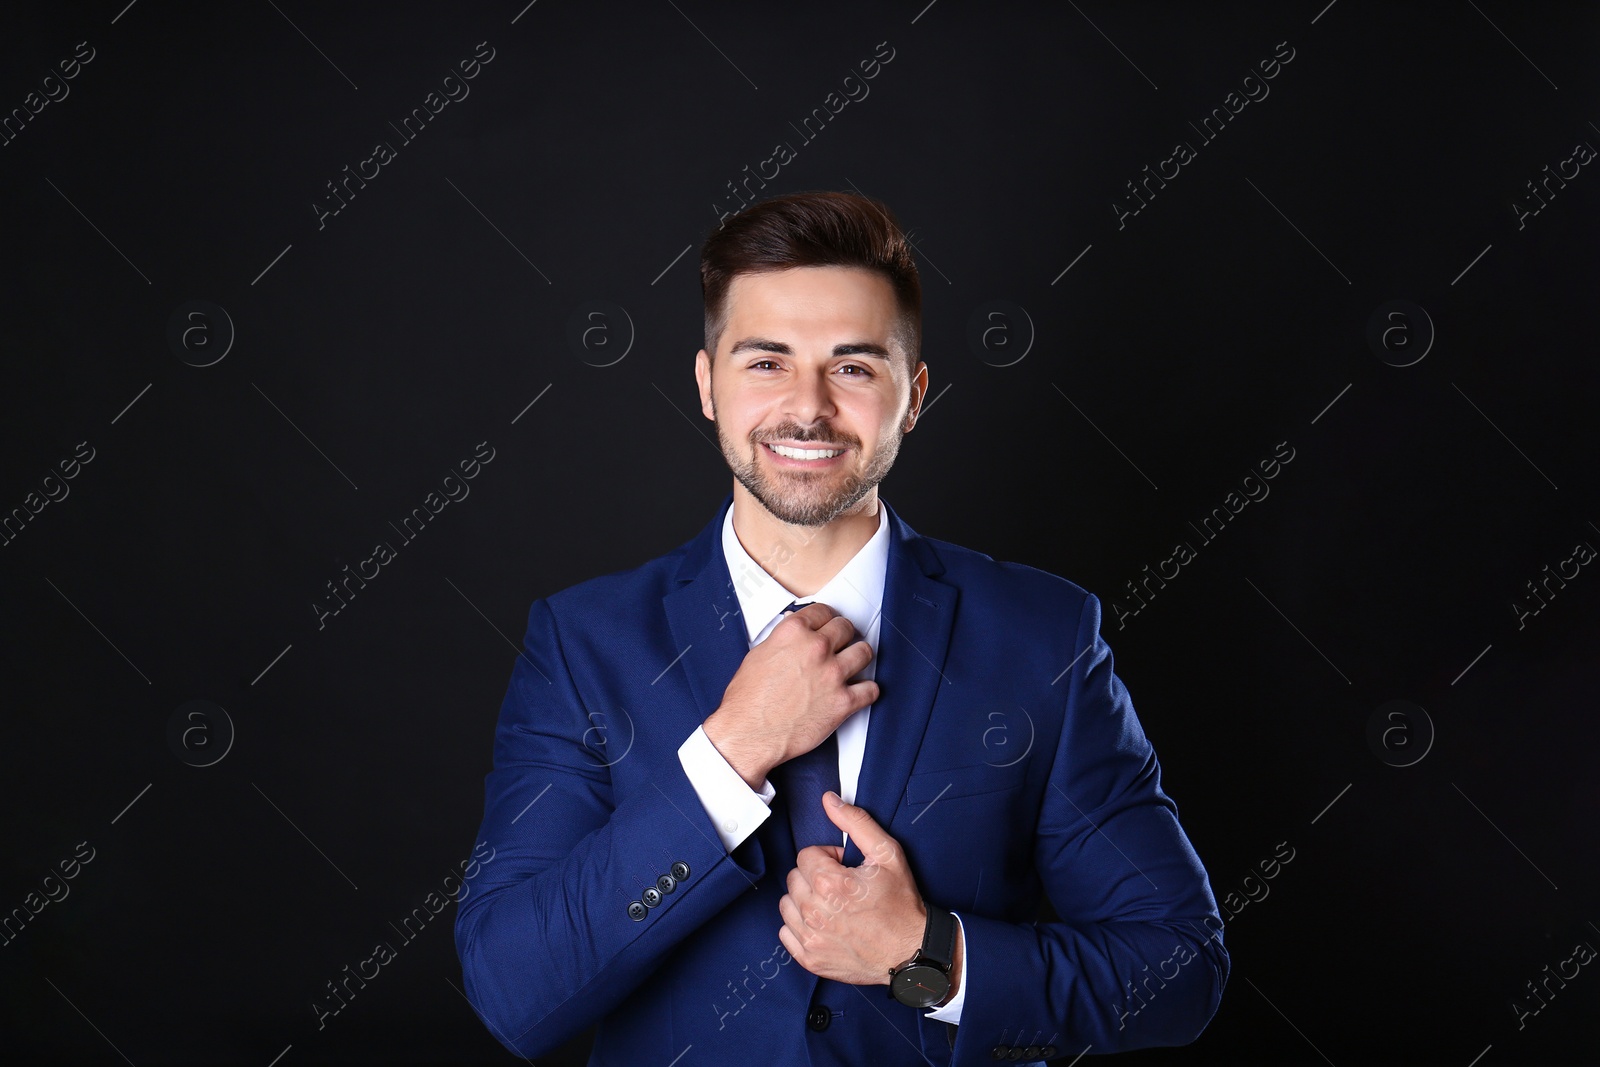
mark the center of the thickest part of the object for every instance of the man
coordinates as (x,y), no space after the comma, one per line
(674,862)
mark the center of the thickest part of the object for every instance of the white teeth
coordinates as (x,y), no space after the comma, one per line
(805,453)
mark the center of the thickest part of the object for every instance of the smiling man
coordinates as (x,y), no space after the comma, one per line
(806,783)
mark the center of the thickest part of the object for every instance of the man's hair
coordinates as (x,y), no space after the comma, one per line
(812,229)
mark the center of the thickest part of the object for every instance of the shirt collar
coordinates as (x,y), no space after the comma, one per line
(856,591)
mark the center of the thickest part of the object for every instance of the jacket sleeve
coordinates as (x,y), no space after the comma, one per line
(1136,958)
(549,937)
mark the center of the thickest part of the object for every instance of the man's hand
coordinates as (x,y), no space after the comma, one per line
(791,691)
(852,924)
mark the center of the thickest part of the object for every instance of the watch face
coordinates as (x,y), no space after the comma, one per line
(920,985)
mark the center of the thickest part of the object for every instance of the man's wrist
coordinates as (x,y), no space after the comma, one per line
(913,939)
(750,769)
(957,951)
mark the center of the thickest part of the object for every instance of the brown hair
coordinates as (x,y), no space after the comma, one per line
(812,229)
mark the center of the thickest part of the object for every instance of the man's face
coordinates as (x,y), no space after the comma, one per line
(807,361)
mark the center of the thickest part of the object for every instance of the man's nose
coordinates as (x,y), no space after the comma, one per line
(810,399)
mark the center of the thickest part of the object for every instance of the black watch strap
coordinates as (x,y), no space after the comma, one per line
(939,938)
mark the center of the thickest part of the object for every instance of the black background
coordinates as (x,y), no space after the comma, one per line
(588,163)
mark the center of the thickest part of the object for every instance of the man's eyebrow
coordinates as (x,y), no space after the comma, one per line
(762,344)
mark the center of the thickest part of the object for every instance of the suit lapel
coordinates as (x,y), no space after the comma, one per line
(708,630)
(913,642)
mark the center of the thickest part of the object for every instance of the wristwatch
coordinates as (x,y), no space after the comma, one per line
(924,980)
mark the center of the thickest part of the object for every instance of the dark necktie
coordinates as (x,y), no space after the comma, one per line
(803,780)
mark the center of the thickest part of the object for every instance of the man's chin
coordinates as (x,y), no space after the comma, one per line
(799,509)
(797,496)
(799,513)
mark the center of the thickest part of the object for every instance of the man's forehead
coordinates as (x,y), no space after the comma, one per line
(855,282)
(859,300)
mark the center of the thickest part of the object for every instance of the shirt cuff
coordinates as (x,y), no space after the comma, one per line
(951,1012)
(735,809)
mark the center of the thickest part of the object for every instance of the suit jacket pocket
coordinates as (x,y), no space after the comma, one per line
(924,787)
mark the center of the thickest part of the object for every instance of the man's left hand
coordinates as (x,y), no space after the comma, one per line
(852,924)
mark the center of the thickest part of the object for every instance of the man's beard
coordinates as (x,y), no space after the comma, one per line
(800,497)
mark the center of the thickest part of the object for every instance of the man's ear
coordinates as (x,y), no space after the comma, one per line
(919,389)
(702,375)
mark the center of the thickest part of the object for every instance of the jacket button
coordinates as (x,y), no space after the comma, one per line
(1033,1052)
(999,1051)
(666,883)
(819,1018)
(680,871)
(651,896)
(1048,1052)
(1015,1053)
(636,910)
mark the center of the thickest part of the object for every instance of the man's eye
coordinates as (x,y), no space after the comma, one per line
(762,364)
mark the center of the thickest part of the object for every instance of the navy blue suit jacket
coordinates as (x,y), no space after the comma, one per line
(1003,754)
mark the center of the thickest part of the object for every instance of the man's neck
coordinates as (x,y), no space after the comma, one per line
(802,559)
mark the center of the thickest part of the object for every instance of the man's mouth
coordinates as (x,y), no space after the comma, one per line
(804,454)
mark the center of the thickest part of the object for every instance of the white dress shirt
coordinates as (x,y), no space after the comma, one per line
(856,592)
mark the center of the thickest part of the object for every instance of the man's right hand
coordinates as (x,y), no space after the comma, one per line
(791,692)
